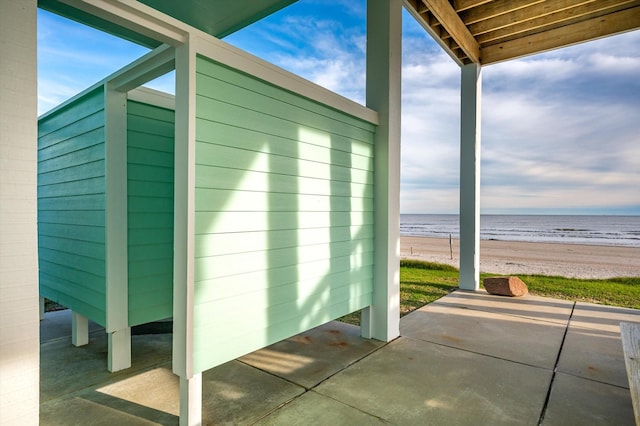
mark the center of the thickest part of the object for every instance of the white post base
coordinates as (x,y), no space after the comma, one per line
(365,323)
(191,400)
(79,329)
(119,351)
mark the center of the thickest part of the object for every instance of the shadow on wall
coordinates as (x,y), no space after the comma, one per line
(284,214)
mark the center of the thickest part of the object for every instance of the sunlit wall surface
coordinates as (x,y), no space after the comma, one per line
(283,214)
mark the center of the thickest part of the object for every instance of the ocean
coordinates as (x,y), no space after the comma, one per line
(594,230)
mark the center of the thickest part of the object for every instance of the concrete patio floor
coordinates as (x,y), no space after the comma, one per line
(468,358)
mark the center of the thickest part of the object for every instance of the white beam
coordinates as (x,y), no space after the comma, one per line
(384,45)
(234,57)
(471,91)
(154,64)
(410,6)
(450,20)
(152,97)
(19,324)
(137,17)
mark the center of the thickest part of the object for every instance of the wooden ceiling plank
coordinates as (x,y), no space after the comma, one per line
(460,5)
(444,12)
(496,9)
(618,22)
(547,22)
(426,20)
(522,15)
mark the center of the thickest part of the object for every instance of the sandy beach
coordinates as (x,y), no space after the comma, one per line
(510,257)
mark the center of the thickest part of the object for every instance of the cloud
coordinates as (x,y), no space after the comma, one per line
(551,123)
(558,129)
(332,57)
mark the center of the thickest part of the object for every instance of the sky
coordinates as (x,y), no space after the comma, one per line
(560,130)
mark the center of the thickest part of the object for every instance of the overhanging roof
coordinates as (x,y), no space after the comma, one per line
(216,17)
(489,31)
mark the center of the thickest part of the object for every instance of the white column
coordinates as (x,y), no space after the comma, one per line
(191,401)
(384,46)
(79,329)
(117,280)
(183,237)
(119,350)
(471,92)
(19,317)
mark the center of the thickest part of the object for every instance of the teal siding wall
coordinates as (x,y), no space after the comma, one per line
(150,148)
(283,214)
(71,203)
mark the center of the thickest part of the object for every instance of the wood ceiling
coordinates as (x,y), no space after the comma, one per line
(489,31)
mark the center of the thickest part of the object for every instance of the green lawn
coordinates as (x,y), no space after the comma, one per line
(424,282)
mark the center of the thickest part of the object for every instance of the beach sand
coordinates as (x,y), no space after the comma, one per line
(512,258)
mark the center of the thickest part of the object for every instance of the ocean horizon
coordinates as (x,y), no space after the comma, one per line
(607,230)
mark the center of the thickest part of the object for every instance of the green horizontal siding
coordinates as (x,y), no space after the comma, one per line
(71,200)
(212,155)
(259,260)
(284,183)
(150,136)
(74,142)
(337,270)
(93,203)
(283,214)
(249,128)
(258,336)
(89,103)
(216,244)
(89,154)
(241,86)
(93,169)
(215,200)
(74,217)
(258,221)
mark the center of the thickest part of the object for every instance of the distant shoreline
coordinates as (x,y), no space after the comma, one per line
(515,257)
(562,229)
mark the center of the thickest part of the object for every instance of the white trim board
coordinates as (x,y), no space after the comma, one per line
(152,65)
(152,23)
(152,97)
(240,60)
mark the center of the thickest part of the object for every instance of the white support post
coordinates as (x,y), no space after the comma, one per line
(117,279)
(471,92)
(119,350)
(19,324)
(79,329)
(191,400)
(183,240)
(384,45)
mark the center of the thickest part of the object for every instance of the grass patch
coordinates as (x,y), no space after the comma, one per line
(623,292)
(423,282)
